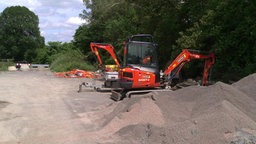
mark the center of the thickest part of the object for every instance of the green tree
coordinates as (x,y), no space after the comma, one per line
(227,30)
(224,27)
(19,33)
(112,21)
(50,51)
(82,38)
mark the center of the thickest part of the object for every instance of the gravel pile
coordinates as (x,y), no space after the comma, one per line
(219,113)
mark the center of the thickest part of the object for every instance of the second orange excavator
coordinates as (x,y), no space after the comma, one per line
(110,49)
(110,72)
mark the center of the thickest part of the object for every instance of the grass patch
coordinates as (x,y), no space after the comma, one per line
(71,59)
(4,65)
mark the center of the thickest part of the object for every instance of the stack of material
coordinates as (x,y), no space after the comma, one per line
(77,73)
(219,113)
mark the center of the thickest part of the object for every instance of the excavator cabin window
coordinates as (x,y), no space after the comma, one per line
(141,54)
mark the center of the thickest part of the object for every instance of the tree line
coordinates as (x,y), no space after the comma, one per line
(223,27)
(20,40)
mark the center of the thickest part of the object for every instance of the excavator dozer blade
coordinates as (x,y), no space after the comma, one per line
(80,87)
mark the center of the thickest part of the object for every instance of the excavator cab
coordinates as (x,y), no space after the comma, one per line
(140,68)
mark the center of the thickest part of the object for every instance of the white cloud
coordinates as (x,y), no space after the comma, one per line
(57,20)
(62,4)
(31,4)
(34,3)
(42,33)
(14,2)
(75,21)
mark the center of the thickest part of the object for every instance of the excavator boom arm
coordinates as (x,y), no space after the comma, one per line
(185,56)
(108,47)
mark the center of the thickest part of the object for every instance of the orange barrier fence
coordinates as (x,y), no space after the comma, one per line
(77,73)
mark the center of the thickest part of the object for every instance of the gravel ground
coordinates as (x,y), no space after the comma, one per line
(37,107)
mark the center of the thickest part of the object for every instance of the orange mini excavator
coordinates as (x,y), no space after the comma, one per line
(140,72)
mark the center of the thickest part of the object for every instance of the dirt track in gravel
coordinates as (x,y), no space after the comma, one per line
(37,107)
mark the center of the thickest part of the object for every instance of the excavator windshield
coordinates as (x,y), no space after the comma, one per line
(141,54)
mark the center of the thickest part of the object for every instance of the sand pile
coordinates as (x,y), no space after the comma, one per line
(219,113)
(247,85)
(104,121)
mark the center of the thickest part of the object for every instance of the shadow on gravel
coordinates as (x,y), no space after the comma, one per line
(3,104)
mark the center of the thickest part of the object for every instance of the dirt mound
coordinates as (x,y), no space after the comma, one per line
(247,85)
(195,114)
(104,121)
(220,113)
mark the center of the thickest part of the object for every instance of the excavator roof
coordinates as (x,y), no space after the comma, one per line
(141,38)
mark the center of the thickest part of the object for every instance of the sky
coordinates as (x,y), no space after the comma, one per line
(58,19)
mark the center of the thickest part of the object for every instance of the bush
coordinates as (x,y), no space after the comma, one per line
(4,64)
(71,59)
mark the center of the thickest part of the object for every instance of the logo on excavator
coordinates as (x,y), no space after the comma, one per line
(181,58)
(144,78)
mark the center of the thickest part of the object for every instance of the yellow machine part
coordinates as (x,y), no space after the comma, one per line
(112,67)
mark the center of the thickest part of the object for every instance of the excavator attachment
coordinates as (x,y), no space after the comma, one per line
(185,56)
(85,85)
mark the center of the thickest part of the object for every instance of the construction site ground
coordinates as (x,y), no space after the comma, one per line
(36,107)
